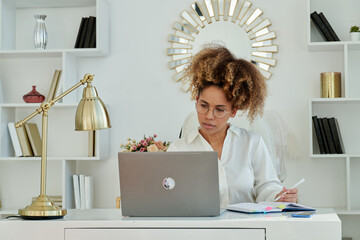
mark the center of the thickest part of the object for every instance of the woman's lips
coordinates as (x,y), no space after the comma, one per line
(208,125)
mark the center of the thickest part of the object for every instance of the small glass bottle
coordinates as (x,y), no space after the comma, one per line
(33,96)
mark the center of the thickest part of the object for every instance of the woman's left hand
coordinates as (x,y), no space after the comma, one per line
(291,195)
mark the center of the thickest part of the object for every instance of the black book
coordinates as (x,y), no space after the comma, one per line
(335,131)
(328,26)
(328,135)
(93,36)
(83,33)
(325,33)
(88,33)
(322,130)
(79,33)
(319,137)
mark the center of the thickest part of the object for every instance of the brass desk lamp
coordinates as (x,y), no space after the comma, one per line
(91,114)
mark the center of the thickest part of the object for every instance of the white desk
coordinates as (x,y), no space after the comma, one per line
(108,224)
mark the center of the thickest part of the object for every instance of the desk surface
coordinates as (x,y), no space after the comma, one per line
(325,224)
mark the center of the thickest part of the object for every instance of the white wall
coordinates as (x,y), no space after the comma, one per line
(143,99)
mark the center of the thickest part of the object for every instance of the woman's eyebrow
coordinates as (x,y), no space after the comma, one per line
(203,101)
(224,106)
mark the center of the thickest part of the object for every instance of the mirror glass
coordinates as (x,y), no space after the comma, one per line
(227,34)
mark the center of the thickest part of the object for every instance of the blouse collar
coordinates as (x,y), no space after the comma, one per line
(195,133)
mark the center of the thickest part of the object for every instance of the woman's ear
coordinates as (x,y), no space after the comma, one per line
(233,112)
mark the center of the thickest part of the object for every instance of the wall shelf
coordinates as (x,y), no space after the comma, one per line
(20,67)
(345,109)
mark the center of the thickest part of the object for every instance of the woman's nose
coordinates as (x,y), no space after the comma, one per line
(210,114)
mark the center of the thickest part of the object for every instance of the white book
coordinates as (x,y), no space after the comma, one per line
(15,139)
(76,191)
(82,190)
(89,192)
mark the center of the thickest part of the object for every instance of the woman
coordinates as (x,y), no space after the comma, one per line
(221,85)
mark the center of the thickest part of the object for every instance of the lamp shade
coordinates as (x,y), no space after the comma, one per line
(91,113)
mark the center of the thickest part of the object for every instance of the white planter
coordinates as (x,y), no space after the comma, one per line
(355,36)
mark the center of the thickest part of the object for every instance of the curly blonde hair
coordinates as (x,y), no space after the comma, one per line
(243,84)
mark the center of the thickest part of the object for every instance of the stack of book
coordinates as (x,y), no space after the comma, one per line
(328,135)
(86,37)
(83,191)
(324,27)
(25,139)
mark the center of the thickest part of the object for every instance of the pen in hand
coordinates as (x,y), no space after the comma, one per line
(297,184)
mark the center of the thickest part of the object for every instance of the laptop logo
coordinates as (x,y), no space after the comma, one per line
(168,183)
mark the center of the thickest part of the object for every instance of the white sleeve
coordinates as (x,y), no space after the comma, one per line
(267,184)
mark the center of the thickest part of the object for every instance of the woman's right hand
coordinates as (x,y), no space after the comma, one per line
(288,195)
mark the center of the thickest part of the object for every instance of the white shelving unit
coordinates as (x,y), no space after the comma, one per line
(21,67)
(341,15)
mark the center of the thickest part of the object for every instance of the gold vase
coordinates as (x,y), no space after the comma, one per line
(330,84)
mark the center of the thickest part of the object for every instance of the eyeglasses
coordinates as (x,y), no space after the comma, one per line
(203,108)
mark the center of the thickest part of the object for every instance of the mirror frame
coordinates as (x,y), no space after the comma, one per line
(201,14)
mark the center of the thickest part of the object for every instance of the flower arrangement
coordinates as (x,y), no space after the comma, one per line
(148,144)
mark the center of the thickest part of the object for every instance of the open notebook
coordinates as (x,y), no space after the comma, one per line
(268,207)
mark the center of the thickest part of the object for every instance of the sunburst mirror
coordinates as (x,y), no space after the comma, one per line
(234,23)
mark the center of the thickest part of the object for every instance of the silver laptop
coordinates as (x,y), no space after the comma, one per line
(169,184)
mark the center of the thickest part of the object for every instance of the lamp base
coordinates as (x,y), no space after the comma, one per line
(42,208)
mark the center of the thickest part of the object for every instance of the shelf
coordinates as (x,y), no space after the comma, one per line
(22,67)
(335,155)
(62,25)
(345,111)
(344,211)
(326,46)
(335,100)
(79,52)
(333,46)
(57,3)
(342,56)
(329,155)
(49,158)
(36,105)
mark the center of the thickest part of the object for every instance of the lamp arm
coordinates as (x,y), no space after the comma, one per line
(88,78)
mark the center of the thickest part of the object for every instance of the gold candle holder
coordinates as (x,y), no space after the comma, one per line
(118,199)
(330,84)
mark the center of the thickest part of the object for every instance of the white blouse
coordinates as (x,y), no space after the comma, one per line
(246,172)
